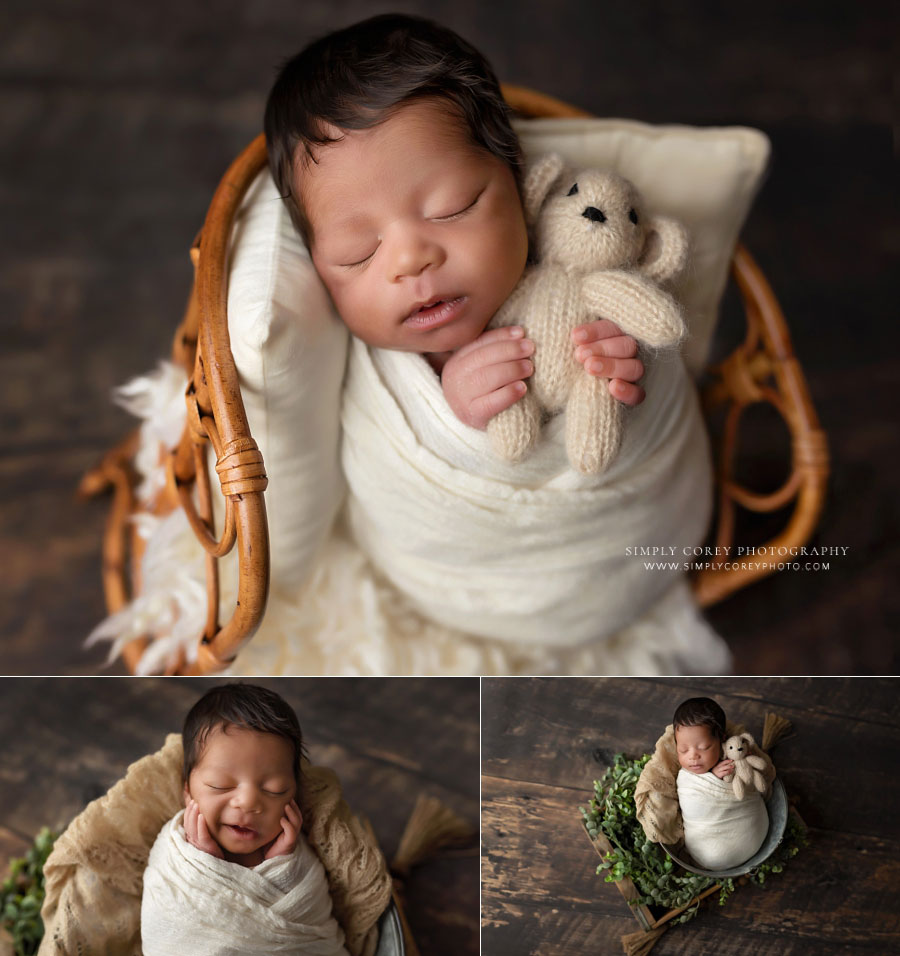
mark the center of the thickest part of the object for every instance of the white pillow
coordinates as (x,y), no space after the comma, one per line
(290,347)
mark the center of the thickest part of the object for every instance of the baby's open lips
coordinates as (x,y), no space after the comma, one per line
(435,311)
(242,831)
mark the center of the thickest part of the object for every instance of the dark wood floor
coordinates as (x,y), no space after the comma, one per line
(545,740)
(67,740)
(117,122)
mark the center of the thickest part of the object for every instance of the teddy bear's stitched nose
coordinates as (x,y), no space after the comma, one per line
(594,214)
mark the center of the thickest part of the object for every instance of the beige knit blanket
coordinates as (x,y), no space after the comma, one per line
(656,793)
(94,874)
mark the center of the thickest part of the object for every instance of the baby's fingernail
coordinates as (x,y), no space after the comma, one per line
(516,331)
(596,366)
(526,347)
(580,335)
(582,352)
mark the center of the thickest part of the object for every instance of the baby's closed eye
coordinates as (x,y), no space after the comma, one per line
(461,208)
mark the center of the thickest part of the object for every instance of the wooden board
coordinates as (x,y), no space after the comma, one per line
(541,740)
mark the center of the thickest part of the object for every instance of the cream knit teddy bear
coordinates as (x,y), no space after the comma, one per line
(598,256)
(747,766)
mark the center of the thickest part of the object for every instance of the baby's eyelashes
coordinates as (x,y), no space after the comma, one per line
(359,262)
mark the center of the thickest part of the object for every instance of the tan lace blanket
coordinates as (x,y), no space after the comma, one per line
(94,874)
(656,793)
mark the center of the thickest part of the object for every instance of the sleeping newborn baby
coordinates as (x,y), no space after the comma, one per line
(232,874)
(720,831)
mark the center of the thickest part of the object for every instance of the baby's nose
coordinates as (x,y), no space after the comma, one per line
(594,214)
(413,256)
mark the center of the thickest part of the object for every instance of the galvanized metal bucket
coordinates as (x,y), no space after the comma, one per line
(390,933)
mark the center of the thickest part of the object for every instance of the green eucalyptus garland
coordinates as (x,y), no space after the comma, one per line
(658,880)
(22,894)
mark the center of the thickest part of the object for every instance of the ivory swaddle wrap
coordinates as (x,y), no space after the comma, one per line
(196,903)
(720,831)
(532,552)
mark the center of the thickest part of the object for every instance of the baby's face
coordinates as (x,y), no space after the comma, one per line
(242,783)
(418,235)
(698,750)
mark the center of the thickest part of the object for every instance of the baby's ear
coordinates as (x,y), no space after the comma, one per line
(539,180)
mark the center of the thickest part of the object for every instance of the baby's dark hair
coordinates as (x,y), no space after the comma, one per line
(701,712)
(248,706)
(356,77)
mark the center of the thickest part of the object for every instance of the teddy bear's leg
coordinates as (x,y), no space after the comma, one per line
(739,788)
(593,425)
(759,781)
(514,431)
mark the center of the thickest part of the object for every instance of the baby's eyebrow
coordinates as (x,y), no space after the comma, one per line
(353,221)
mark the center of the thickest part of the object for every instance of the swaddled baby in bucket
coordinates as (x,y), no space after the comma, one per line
(232,873)
(685,791)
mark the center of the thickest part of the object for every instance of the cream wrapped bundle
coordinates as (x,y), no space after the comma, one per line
(533,553)
(720,831)
(196,903)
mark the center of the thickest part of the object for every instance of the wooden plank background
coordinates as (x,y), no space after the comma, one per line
(117,121)
(67,740)
(544,740)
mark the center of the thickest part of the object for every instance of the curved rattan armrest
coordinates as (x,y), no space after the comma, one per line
(763,368)
(216,416)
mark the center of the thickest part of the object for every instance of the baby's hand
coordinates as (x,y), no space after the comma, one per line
(290,826)
(197,832)
(723,768)
(485,377)
(606,352)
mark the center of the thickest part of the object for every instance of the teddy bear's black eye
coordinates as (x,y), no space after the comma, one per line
(573,190)
(632,215)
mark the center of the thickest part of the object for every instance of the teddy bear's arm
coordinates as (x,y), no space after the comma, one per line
(638,306)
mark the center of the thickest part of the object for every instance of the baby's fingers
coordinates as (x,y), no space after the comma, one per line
(595,331)
(483,409)
(495,354)
(293,815)
(508,333)
(627,369)
(489,378)
(618,346)
(189,822)
(626,392)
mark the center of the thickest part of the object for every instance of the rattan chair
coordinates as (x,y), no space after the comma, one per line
(762,369)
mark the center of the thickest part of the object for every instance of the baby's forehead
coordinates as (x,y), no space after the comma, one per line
(385,155)
(225,739)
(695,729)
